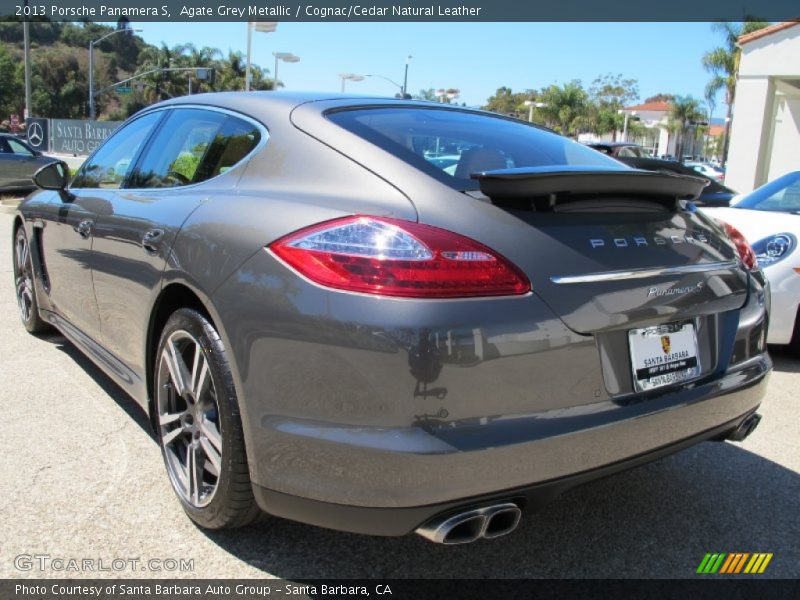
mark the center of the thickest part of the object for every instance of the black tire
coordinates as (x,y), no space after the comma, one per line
(794,344)
(24,285)
(231,503)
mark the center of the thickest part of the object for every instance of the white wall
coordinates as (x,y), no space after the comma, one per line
(758,144)
(752,117)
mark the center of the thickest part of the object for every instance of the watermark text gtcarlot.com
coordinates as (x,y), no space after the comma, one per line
(71,564)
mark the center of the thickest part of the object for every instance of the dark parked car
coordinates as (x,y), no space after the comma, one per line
(617,149)
(18,163)
(714,194)
(324,325)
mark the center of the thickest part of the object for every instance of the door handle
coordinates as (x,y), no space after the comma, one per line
(152,239)
(84,228)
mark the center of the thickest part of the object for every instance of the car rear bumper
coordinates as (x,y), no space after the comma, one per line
(398,521)
(390,481)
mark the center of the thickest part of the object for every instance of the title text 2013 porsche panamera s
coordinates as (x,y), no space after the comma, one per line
(328,324)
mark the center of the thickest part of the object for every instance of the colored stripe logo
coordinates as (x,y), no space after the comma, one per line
(734,562)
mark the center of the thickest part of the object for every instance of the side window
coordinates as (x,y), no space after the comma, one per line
(4,149)
(192,146)
(109,166)
(19,149)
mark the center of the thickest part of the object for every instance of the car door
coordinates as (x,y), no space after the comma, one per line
(133,242)
(69,221)
(6,159)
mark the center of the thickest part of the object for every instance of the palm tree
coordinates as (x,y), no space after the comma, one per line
(204,57)
(565,107)
(684,111)
(164,84)
(723,64)
(231,74)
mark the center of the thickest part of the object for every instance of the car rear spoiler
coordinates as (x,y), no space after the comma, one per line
(553,181)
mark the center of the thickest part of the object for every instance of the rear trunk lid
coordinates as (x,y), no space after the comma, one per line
(612,249)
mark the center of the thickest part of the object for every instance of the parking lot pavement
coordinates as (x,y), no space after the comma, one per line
(82,477)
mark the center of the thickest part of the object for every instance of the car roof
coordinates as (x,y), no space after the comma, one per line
(271,104)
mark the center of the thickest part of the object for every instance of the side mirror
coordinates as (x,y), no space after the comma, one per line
(37,153)
(53,176)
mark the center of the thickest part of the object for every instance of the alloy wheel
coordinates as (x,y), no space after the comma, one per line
(188,419)
(23,277)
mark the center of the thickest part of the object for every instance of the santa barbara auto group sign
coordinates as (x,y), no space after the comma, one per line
(69,136)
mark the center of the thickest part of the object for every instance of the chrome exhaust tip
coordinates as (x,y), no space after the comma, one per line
(469,526)
(502,521)
(745,428)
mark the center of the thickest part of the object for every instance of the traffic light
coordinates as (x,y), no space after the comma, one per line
(207,75)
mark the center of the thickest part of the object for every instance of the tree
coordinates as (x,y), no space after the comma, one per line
(429,95)
(608,95)
(566,107)
(684,111)
(12,93)
(659,98)
(723,64)
(507,102)
(204,57)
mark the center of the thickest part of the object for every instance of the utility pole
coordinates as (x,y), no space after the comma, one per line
(405,77)
(26,34)
(249,51)
(91,64)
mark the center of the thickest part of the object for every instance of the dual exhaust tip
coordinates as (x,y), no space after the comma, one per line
(488,522)
(745,428)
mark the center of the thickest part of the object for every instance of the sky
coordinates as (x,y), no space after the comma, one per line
(476,58)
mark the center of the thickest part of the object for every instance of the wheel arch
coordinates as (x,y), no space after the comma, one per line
(173,296)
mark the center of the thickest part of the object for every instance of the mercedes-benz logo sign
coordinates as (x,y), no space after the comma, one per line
(35,134)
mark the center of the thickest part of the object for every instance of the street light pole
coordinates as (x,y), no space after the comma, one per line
(264,27)
(285,57)
(91,80)
(405,77)
(249,51)
(92,44)
(26,34)
(351,77)
(531,104)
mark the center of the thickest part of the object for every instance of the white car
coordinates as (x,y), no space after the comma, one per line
(769,217)
(707,170)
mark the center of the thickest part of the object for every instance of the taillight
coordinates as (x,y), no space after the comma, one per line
(392,257)
(742,246)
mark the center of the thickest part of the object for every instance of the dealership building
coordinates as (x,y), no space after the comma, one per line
(765,130)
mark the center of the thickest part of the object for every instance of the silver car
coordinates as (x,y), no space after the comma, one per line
(326,324)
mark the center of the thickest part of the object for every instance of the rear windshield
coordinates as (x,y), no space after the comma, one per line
(451,144)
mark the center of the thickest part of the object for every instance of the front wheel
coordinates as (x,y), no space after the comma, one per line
(199,426)
(24,285)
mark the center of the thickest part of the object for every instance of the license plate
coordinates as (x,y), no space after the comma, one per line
(663,355)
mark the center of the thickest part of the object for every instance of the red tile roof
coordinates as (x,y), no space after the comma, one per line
(716,130)
(658,106)
(767,31)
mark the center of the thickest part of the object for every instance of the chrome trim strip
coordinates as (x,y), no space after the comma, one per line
(643,273)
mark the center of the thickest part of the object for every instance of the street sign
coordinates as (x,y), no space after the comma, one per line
(123,89)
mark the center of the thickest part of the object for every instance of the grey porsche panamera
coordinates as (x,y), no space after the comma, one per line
(327,321)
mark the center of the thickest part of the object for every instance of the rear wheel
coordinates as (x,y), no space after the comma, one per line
(23,283)
(198,424)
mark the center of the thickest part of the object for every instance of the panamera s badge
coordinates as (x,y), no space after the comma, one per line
(675,291)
